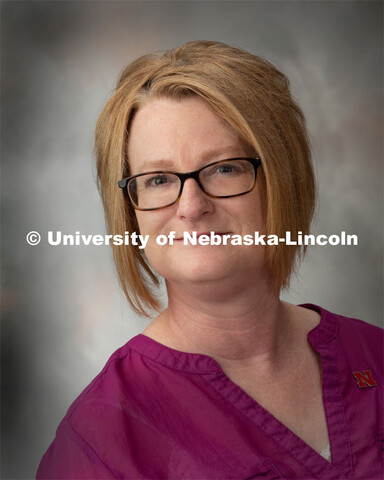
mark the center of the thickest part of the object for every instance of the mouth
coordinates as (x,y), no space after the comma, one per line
(180,239)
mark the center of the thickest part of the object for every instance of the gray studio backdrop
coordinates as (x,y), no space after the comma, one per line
(63,313)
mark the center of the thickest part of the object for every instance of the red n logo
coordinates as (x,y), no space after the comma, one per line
(364,379)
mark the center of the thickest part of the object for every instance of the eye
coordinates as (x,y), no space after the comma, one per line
(226,168)
(158,181)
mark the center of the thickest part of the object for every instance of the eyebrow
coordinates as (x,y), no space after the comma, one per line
(207,157)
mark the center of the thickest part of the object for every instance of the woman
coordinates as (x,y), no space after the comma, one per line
(228,381)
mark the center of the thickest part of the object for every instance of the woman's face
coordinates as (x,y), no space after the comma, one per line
(183,136)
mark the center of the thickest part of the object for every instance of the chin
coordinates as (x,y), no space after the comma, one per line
(191,272)
(205,266)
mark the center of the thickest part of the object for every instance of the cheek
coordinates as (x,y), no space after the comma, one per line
(153,223)
(261,197)
(257,209)
(249,211)
(146,222)
(141,222)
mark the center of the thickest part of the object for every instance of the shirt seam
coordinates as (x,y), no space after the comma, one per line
(345,420)
(178,369)
(274,441)
(90,448)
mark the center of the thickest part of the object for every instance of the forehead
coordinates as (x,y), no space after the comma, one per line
(178,132)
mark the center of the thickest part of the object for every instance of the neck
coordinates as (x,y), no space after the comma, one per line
(232,326)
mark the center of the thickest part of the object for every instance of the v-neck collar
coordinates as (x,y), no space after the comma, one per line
(321,338)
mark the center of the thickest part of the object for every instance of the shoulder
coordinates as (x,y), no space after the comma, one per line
(114,405)
(109,381)
(116,392)
(350,338)
(337,323)
(354,328)
(107,389)
(361,342)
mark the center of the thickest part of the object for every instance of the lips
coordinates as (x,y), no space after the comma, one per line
(178,238)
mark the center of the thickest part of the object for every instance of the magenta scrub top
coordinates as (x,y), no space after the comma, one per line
(157,413)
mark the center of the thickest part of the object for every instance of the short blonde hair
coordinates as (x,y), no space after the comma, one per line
(254,99)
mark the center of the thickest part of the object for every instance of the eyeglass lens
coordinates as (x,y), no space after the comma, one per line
(224,179)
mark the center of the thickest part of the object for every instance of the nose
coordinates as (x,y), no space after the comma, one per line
(193,202)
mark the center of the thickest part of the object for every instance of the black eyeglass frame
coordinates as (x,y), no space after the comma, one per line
(123,183)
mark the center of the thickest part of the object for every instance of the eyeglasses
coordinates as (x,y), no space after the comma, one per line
(222,179)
